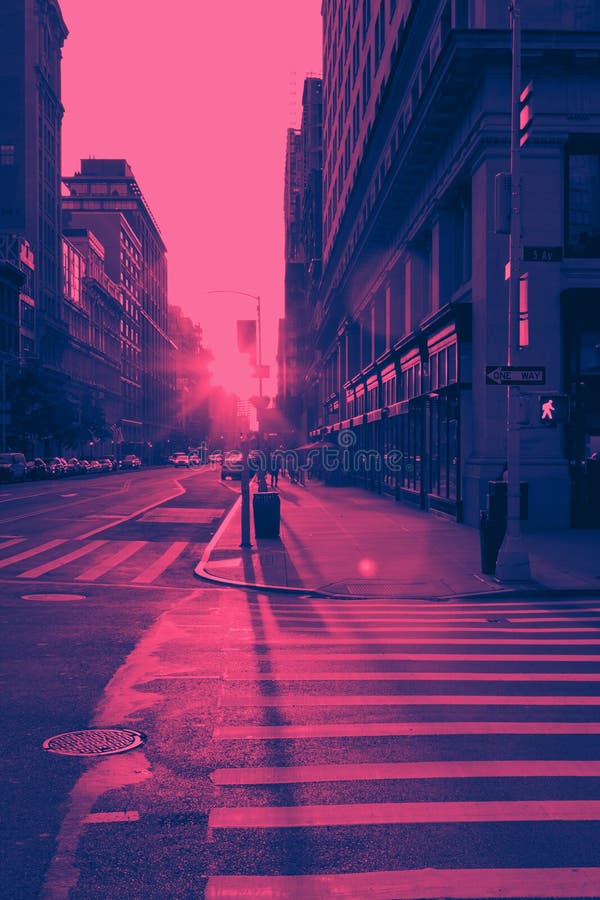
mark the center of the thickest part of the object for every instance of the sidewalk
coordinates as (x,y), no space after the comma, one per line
(347,541)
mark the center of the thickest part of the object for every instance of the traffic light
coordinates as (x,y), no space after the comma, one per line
(246,338)
(554,409)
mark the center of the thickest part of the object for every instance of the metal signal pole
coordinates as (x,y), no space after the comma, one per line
(513,559)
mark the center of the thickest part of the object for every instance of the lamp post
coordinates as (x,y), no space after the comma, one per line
(262,479)
(258,332)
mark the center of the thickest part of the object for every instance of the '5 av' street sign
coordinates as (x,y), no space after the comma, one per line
(515,375)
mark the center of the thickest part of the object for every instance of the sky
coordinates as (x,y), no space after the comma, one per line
(199,103)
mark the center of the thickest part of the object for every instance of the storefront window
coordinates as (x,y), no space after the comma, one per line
(583,204)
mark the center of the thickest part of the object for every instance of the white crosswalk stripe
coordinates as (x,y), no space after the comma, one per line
(151,559)
(520,681)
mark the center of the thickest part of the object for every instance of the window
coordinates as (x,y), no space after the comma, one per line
(583,201)
(7,154)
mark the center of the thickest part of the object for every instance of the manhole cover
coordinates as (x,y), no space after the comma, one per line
(94,742)
(53,597)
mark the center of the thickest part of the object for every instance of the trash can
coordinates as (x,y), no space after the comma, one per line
(491,535)
(498,498)
(267,514)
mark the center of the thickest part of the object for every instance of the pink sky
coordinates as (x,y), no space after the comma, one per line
(199,103)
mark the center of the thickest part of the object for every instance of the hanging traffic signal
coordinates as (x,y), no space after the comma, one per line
(553,409)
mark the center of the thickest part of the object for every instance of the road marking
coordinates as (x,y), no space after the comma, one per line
(35,551)
(163,561)
(10,542)
(365,631)
(327,639)
(401,620)
(441,812)
(408,700)
(416,656)
(138,512)
(13,497)
(62,560)
(425,884)
(398,729)
(103,817)
(111,562)
(182,515)
(510,768)
(295,675)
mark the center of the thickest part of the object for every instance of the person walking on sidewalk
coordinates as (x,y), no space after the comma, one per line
(274,467)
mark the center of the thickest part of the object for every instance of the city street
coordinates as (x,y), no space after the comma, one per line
(294,746)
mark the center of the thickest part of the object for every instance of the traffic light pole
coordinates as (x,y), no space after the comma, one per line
(513,559)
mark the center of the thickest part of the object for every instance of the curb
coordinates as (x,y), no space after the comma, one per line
(501,594)
(201,571)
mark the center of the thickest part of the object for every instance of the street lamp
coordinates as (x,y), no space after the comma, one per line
(258,332)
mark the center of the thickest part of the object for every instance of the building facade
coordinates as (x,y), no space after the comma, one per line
(32,33)
(105,197)
(412,302)
(92,360)
(303,248)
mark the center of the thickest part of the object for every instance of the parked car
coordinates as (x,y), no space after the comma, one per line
(106,464)
(75,466)
(195,459)
(85,465)
(55,466)
(216,457)
(36,469)
(232,465)
(131,461)
(180,459)
(95,467)
(13,467)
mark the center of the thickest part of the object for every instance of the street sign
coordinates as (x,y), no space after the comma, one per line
(515,375)
(542,254)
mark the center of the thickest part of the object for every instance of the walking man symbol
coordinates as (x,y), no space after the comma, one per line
(548,409)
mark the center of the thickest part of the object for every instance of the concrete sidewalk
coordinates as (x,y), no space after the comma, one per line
(346,541)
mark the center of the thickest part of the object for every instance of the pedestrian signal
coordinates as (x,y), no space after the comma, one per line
(554,409)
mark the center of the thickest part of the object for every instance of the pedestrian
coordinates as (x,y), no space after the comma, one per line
(274,467)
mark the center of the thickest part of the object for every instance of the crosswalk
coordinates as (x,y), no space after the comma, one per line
(408,750)
(94,561)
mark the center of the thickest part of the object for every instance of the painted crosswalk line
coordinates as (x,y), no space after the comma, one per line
(346,814)
(398,729)
(111,561)
(298,700)
(504,768)
(419,884)
(62,560)
(33,551)
(161,564)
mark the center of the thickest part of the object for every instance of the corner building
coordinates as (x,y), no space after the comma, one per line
(413,303)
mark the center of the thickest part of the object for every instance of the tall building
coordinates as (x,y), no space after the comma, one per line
(412,301)
(303,246)
(32,33)
(105,197)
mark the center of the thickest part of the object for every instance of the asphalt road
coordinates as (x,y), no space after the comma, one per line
(294,747)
